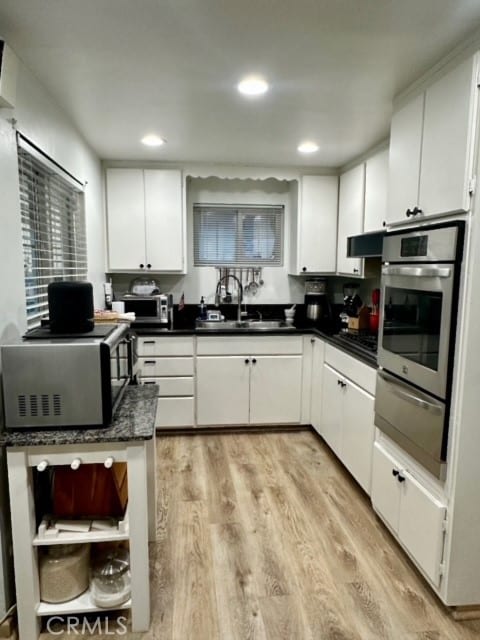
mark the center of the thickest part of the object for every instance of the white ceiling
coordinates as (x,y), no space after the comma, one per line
(123,68)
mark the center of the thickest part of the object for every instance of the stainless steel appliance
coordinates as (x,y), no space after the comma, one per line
(419,290)
(75,380)
(317,306)
(156,309)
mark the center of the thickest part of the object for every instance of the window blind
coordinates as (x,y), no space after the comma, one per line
(238,235)
(53,228)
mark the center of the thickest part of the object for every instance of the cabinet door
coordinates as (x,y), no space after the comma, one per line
(317,379)
(164,219)
(358,433)
(385,486)
(332,403)
(404,159)
(376,184)
(421,526)
(125,219)
(448,142)
(350,217)
(317,224)
(275,389)
(223,390)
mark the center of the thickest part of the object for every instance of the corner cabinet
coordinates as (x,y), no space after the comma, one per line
(243,381)
(415,515)
(145,220)
(432,148)
(315,226)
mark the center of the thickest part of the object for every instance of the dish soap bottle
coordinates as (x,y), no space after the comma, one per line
(202,309)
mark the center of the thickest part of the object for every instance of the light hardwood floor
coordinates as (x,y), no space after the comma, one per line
(265,536)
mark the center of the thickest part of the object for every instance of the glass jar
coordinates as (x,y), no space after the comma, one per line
(63,572)
(110,584)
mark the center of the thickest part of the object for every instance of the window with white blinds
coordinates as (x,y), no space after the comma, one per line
(237,235)
(53,227)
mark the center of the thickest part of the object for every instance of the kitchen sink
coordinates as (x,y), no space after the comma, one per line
(247,325)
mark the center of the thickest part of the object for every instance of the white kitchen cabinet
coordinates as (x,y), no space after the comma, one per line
(347,412)
(351,205)
(315,226)
(431,148)
(412,512)
(332,408)
(318,357)
(275,389)
(169,363)
(249,380)
(376,189)
(223,390)
(145,220)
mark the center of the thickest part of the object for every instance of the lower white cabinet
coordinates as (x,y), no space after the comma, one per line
(347,419)
(411,511)
(275,389)
(223,389)
(318,357)
(169,362)
(247,380)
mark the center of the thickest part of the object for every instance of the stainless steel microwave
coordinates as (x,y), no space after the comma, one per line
(150,309)
(67,382)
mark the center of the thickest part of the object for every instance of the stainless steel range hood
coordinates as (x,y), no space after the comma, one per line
(365,245)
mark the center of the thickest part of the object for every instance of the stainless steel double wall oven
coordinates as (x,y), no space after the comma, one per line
(420,284)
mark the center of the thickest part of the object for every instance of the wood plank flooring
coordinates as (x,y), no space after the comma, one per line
(264,536)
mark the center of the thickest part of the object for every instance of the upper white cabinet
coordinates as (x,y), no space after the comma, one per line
(315,228)
(145,220)
(376,188)
(431,148)
(351,206)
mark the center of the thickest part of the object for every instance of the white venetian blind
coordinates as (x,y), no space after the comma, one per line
(238,235)
(53,227)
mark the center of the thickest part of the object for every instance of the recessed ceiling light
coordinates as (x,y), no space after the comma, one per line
(252,86)
(152,140)
(307,147)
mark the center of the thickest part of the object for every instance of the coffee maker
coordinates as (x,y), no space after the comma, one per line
(317,306)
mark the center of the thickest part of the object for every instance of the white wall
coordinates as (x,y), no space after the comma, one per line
(45,124)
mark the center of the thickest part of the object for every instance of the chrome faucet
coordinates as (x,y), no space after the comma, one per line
(240,293)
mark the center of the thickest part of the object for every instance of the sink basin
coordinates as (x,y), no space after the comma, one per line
(247,325)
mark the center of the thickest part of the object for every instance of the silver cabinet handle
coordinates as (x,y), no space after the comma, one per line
(417,272)
(399,391)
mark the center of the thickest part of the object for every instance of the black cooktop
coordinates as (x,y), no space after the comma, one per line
(363,343)
(44,333)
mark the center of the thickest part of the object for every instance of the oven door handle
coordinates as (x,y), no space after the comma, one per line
(409,397)
(418,272)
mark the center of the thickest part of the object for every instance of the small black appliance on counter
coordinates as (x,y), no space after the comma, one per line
(70,307)
(317,306)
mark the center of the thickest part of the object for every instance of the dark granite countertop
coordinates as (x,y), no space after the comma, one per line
(134,420)
(152,330)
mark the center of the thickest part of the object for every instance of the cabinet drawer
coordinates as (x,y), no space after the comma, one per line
(174,412)
(350,367)
(172,386)
(248,345)
(166,367)
(172,346)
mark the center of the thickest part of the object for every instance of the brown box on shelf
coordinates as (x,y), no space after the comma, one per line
(361,322)
(91,491)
